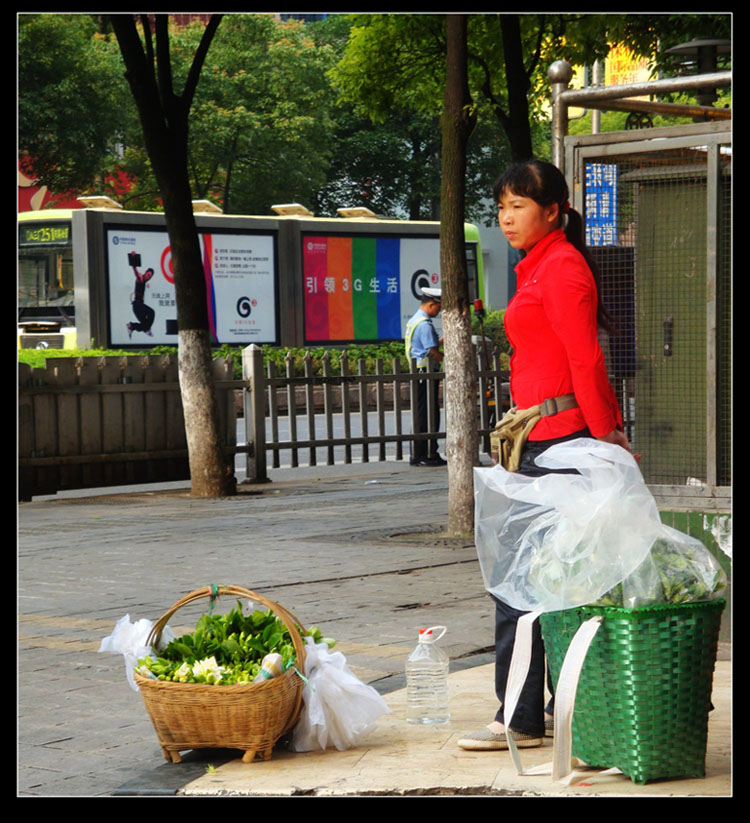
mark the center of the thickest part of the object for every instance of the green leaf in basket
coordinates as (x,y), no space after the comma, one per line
(256,644)
(183,649)
(231,647)
(267,632)
(287,652)
(259,618)
(273,640)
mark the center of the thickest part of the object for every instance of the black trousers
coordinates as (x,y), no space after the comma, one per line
(421,449)
(528,717)
(145,315)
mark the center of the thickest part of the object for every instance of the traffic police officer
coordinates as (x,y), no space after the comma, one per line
(423,344)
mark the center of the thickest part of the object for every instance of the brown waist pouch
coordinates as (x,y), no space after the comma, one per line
(512,432)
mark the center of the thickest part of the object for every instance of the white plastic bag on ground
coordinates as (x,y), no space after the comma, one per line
(129,639)
(563,540)
(338,708)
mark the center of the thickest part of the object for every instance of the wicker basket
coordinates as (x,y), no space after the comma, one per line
(644,692)
(250,717)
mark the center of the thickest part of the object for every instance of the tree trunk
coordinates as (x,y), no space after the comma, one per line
(515,120)
(211,473)
(517,125)
(458,120)
(164,118)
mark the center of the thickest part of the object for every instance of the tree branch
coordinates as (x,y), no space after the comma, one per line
(199,59)
(146,26)
(537,53)
(163,61)
(139,64)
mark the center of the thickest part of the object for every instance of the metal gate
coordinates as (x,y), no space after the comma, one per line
(657,205)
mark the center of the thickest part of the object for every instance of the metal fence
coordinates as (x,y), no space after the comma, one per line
(658,216)
(348,414)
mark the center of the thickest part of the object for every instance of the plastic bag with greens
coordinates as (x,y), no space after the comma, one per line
(678,569)
(566,540)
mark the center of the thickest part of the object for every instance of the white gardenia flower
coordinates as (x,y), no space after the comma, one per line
(183,672)
(209,669)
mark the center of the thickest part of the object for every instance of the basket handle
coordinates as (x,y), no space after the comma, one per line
(289,620)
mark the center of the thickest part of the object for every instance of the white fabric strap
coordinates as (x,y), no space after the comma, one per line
(562,766)
(565,697)
(517,673)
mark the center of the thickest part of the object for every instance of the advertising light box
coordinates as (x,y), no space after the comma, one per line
(240,276)
(365,288)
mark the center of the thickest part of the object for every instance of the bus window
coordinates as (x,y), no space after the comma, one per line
(471,270)
(45,280)
(45,268)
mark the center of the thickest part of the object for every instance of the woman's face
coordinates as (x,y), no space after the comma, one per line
(523,221)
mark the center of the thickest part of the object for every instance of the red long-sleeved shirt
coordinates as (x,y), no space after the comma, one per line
(551,325)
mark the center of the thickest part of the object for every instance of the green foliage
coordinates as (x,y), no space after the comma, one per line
(259,129)
(391,167)
(670,574)
(256,137)
(266,126)
(369,354)
(37,358)
(69,123)
(279,356)
(298,358)
(397,62)
(652,35)
(494,329)
(233,645)
(393,61)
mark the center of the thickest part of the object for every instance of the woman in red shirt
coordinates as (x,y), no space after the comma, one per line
(552,324)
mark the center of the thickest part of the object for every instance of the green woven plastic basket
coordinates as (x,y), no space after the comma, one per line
(645,688)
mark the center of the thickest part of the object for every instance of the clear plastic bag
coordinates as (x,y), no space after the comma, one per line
(338,708)
(129,640)
(678,569)
(564,540)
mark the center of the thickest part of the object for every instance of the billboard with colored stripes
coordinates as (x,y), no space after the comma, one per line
(287,280)
(364,288)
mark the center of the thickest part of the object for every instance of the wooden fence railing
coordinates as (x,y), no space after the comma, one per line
(101,422)
(97,422)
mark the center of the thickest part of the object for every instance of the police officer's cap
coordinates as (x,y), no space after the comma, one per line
(433,294)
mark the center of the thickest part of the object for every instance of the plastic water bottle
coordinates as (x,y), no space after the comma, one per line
(427,680)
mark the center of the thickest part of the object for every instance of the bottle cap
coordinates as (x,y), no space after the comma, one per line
(427,634)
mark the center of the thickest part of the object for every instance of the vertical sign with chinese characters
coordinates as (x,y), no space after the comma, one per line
(623,67)
(601,204)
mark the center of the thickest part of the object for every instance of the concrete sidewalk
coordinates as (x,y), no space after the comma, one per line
(397,758)
(356,550)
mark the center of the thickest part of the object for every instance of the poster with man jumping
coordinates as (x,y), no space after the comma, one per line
(241,289)
(144,313)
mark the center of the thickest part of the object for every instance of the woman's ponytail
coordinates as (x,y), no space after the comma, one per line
(575,234)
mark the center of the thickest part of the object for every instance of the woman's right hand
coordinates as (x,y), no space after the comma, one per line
(618,438)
